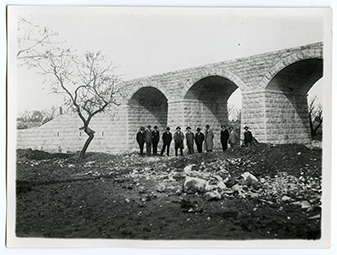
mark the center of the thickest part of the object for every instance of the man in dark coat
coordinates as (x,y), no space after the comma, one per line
(189,140)
(167,138)
(155,139)
(148,140)
(224,135)
(248,137)
(199,139)
(179,141)
(141,140)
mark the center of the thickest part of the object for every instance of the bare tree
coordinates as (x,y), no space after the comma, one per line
(315,115)
(33,40)
(234,114)
(88,83)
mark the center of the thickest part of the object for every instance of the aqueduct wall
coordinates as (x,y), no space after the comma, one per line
(273,85)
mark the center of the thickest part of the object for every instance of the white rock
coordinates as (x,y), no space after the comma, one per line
(286,198)
(218,177)
(209,187)
(193,185)
(305,204)
(161,187)
(212,195)
(189,168)
(221,185)
(248,175)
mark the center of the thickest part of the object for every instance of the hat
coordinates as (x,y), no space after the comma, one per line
(223,126)
(149,126)
(198,129)
(188,127)
(207,126)
(246,127)
(155,127)
(178,128)
(142,128)
(168,128)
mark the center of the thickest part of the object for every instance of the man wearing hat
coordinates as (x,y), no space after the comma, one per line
(141,139)
(189,140)
(248,137)
(155,139)
(167,138)
(224,135)
(178,141)
(199,139)
(233,138)
(209,139)
(148,139)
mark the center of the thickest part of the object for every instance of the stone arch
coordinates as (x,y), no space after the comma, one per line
(206,100)
(286,86)
(147,106)
(203,73)
(134,86)
(314,54)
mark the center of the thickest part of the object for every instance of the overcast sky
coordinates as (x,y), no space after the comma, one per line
(147,41)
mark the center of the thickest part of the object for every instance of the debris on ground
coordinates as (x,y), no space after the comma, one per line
(264,193)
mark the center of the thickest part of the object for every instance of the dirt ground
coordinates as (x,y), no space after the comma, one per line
(132,197)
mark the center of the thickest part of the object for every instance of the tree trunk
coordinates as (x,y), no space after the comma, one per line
(314,131)
(86,145)
(311,126)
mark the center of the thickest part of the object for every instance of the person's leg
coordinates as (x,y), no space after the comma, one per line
(148,149)
(141,147)
(162,149)
(168,149)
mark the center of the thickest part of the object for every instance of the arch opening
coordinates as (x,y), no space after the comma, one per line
(211,88)
(147,106)
(207,102)
(298,77)
(287,104)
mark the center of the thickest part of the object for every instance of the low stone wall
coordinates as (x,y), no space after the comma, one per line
(63,135)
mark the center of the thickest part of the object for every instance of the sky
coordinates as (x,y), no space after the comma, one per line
(146,41)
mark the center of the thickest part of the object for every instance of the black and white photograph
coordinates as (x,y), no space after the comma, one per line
(169,126)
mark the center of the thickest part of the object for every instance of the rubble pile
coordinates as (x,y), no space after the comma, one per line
(279,188)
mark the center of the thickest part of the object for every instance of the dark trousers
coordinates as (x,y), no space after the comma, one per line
(224,145)
(190,148)
(155,146)
(148,148)
(180,146)
(141,148)
(199,147)
(165,145)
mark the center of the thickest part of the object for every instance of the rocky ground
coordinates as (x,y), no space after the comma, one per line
(269,192)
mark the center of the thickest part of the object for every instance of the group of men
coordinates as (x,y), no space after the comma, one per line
(151,139)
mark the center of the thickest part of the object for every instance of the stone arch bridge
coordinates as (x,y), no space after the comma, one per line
(273,85)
